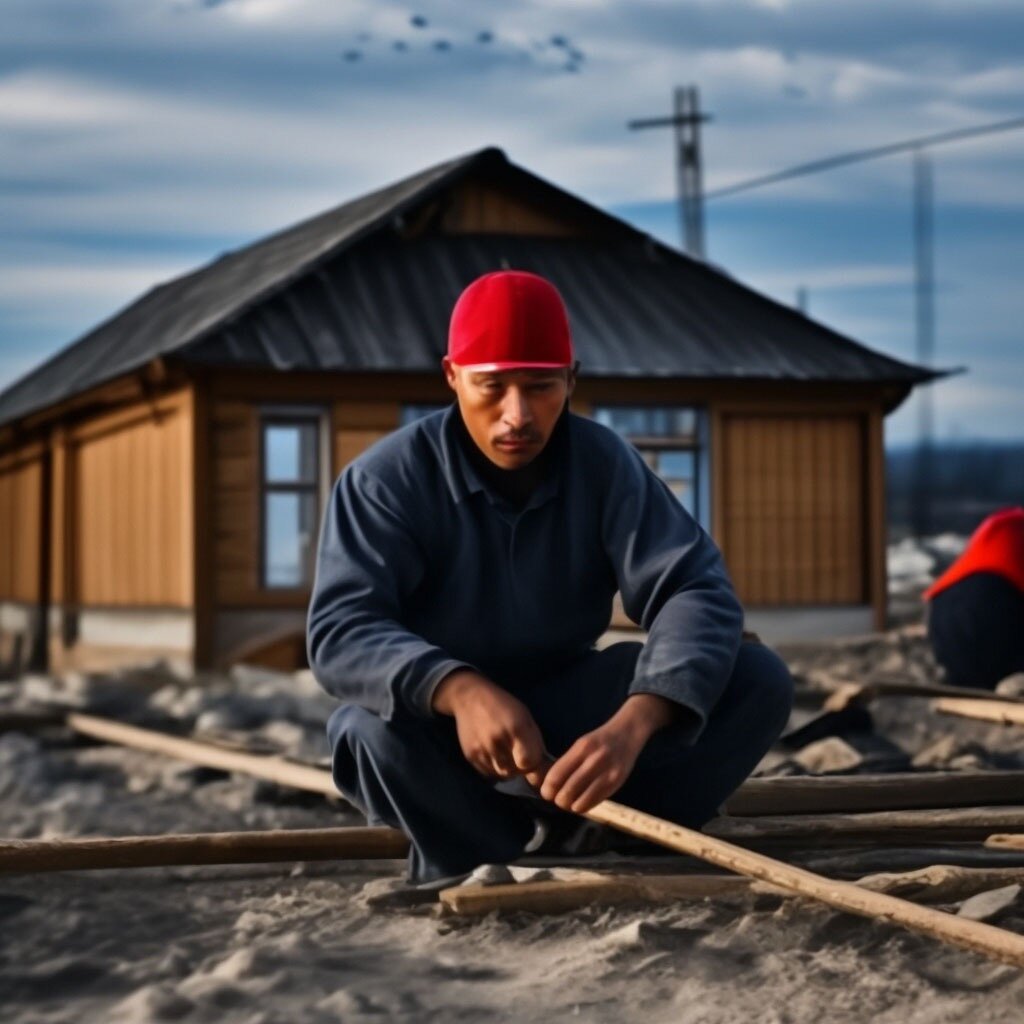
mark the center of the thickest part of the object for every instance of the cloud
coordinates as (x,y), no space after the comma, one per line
(45,285)
(199,125)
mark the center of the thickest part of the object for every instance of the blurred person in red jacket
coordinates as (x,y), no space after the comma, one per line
(976,607)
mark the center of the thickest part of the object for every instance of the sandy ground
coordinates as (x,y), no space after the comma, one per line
(284,943)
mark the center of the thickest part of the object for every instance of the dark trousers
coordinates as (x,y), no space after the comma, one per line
(412,775)
(976,629)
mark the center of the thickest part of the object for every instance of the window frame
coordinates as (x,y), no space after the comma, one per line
(302,416)
(697,443)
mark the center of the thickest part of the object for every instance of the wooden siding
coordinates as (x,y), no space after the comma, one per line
(21,525)
(482,208)
(131,507)
(234,474)
(792,508)
(357,425)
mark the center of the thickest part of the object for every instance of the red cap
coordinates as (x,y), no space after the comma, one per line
(509,320)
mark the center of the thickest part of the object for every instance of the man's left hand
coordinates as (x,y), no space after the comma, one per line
(599,762)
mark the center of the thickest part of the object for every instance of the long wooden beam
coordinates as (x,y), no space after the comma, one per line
(887,828)
(358,843)
(1002,711)
(809,794)
(563,894)
(881,686)
(976,936)
(938,883)
(756,797)
(260,766)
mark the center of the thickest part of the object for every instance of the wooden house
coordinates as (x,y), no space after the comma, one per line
(162,478)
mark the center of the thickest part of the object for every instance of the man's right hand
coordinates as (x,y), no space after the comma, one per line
(497,733)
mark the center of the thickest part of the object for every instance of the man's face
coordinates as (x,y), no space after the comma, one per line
(510,414)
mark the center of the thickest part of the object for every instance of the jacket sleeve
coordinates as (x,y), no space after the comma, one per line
(673,583)
(368,563)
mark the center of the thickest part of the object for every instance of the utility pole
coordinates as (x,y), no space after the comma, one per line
(686,120)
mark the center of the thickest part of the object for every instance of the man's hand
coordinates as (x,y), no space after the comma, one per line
(497,733)
(599,762)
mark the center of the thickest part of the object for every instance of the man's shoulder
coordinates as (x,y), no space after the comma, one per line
(404,458)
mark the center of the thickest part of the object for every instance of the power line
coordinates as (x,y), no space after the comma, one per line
(938,139)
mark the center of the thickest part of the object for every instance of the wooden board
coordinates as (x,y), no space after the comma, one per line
(898,790)
(90,853)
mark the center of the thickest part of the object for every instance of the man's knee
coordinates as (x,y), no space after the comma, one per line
(765,678)
(351,724)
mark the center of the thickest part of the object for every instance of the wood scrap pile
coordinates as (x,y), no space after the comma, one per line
(905,837)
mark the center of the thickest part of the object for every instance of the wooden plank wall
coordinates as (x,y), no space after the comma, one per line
(477,207)
(131,506)
(234,475)
(21,519)
(357,425)
(793,508)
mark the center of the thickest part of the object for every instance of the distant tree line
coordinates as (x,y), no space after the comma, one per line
(968,481)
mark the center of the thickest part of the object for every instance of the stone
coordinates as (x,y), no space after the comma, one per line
(1011,686)
(831,754)
(952,752)
(987,905)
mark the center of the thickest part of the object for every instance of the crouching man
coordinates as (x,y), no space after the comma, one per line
(467,565)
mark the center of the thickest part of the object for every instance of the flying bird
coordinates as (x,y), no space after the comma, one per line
(442,45)
(418,21)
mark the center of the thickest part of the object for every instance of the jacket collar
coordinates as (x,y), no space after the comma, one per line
(464,481)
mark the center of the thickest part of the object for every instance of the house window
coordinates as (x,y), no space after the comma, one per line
(290,498)
(670,441)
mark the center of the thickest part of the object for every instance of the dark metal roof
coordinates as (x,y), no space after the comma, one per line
(344,291)
(635,311)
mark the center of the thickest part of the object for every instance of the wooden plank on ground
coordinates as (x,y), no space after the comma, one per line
(996,943)
(1002,711)
(883,827)
(808,794)
(260,766)
(561,895)
(942,883)
(357,843)
(756,797)
(862,692)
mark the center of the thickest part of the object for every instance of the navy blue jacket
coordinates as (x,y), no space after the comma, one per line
(423,569)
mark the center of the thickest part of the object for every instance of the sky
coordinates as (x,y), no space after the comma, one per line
(141,140)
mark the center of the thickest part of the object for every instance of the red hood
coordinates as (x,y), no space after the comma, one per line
(996,546)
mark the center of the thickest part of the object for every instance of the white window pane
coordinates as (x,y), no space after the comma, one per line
(676,465)
(290,452)
(648,421)
(289,524)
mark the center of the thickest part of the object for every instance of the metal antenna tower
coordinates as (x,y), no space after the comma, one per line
(686,121)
